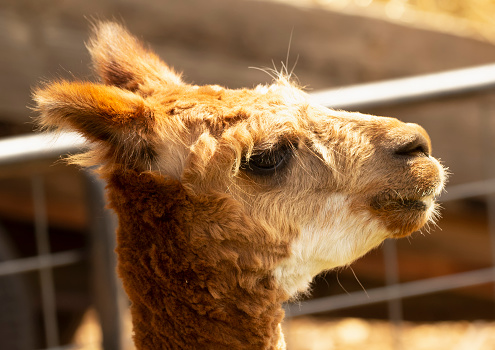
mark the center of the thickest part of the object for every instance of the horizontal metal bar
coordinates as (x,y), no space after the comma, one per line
(39,262)
(396,291)
(471,189)
(39,146)
(68,347)
(405,90)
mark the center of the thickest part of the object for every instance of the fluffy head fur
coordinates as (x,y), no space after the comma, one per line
(231,201)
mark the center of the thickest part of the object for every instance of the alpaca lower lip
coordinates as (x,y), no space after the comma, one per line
(413,205)
(382,204)
(404,216)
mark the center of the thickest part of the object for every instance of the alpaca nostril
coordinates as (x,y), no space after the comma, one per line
(418,146)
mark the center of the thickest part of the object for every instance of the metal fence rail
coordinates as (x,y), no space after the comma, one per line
(394,291)
(38,262)
(409,90)
(19,150)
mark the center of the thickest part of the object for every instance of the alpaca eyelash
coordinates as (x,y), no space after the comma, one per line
(269,161)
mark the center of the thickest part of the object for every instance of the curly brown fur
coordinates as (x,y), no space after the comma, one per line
(187,271)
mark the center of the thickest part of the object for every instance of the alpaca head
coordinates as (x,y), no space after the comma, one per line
(331,185)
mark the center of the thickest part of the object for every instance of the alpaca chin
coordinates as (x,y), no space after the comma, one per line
(337,236)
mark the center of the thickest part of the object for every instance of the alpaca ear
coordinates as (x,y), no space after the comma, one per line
(121,60)
(119,120)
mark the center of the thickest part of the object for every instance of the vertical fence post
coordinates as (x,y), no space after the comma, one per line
(491,225)
(48,302)
(488,146)
(109,298)
(394,303)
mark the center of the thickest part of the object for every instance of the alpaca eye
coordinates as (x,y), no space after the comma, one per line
(268,161)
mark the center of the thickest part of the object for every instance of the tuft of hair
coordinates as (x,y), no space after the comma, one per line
(122,60)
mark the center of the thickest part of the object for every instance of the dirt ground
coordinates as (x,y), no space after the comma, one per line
(348,334)
(354,334)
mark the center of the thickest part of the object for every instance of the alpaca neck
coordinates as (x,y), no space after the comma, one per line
(192,282)
(175,323)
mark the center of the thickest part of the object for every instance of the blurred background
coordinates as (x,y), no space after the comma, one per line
(57,288)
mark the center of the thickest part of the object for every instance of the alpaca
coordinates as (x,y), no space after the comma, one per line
(231,201)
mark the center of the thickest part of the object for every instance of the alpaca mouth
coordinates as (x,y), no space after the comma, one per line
(387,203)
(403,215)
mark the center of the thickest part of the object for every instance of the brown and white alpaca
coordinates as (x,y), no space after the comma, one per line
(231,201)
